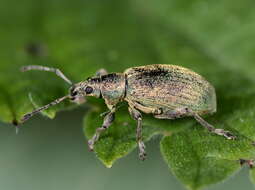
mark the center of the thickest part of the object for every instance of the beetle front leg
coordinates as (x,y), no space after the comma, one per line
(221,132)
(136,115)
(108,119)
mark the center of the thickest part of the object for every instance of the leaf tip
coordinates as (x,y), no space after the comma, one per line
(108,164)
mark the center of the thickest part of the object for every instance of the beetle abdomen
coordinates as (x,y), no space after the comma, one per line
(170,87)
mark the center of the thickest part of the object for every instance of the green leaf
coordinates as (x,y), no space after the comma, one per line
(212,38)
(204,162)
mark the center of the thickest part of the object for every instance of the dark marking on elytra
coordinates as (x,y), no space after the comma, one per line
(161,73)
(154,73)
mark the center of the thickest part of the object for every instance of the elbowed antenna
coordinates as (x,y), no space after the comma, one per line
(49,69)
(38,110)
(57,101)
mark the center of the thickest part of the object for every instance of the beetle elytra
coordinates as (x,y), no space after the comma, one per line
(165,91)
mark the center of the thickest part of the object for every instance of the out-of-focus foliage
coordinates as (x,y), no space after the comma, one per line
(213,38)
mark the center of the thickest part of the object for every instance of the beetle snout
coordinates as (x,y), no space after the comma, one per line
(73,92)
(75,95)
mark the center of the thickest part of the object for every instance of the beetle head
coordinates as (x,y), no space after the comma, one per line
(90,87)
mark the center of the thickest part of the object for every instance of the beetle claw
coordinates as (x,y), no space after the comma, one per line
(142,156)
(229,136)
(91,145)
(224,133)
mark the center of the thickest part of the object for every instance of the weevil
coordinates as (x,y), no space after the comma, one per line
(165,91)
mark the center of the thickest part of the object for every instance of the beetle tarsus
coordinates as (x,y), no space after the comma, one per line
(142,153)
(220,132)
(225,134)
(91,145)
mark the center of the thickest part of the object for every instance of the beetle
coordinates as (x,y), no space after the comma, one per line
(165,91)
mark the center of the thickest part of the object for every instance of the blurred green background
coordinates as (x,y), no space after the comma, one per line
(214,38)
(53,154)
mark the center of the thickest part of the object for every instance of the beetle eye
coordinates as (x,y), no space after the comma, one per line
(88,90)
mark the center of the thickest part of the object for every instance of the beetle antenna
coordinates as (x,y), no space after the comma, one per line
(49,69)
(38,110)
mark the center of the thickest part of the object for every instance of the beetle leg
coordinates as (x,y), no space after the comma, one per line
(108,119)
(136,115)
(145,109)
(182,112)
(221,132)
(101,72)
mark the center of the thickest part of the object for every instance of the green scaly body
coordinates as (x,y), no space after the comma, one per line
(170,88)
